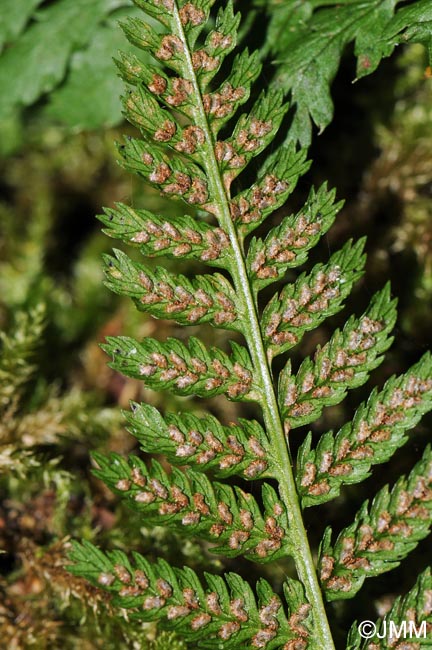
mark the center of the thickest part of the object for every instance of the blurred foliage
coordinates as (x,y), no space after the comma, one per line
(399,184)
(58,399)
(83,38)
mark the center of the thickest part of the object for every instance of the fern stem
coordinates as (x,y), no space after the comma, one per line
(302,552)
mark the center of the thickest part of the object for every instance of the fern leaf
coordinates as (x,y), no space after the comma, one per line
(68,26)
(221,104)
(183,237)
(174,177)
(277,180)
(192,146)
(227,610)
(206,298)
(206,61)
(342,363)
(154,122)
(286,246)
(303,305)
(376,432)
(16,13)
(89,74)
(409,24)
(380,536)
(252,134)
(307,41)
(171,91)
(203,443)
(184,369)
(193,505)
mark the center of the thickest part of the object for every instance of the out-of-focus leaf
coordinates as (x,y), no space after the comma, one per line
(13,18)
(90,96)
(38,60)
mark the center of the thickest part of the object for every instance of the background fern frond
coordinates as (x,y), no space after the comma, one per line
(307,42)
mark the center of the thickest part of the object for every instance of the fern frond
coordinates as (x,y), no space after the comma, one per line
(203,443)
(376,432)
(175,177)
(192,145)
(227,611)
(221,104)
(380,536)
(342,363)
(193,505)
(276,181)
(251,135)
(69,28)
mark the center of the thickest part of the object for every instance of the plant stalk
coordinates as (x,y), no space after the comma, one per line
(284,472)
